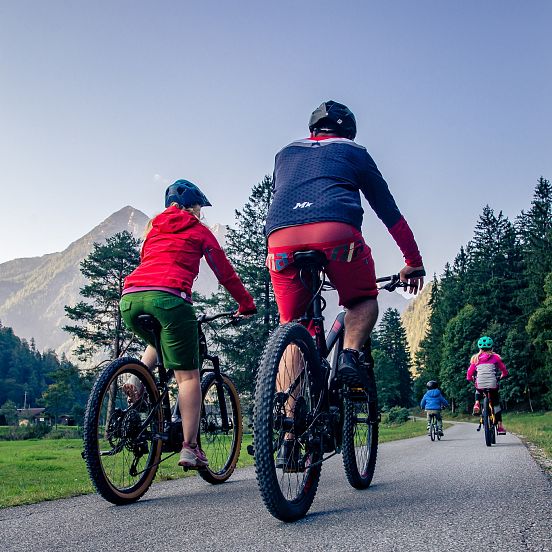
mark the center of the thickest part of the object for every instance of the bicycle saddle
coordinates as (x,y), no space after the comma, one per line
(310,258)
(148,322)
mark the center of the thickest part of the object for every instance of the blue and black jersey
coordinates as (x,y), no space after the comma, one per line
(321,180)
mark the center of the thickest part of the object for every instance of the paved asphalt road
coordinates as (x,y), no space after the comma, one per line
(455,495)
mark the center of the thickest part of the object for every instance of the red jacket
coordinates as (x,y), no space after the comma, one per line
(171,254)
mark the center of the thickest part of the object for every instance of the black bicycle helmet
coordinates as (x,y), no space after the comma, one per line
(431,384)
(335,117)
(186,194)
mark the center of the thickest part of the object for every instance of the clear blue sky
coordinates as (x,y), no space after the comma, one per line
(102,103)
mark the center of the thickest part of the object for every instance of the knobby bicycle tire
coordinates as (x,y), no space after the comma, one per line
(117,441)
(360,439)
(487,425)
(222,447)
(300,486)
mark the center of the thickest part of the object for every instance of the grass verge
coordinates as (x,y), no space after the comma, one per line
(535,429)
(43,469)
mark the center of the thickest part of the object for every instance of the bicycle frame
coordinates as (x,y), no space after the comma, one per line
(164,377)
(491,417)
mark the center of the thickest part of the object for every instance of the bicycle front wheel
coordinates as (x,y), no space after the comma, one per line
(286,456)
(121,440)
(220,427)
(360,437)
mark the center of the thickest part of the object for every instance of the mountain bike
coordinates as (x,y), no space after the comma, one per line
(487,418)
(124,439)
(303,416)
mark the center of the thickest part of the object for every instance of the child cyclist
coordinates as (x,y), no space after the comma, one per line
(483,370)
(432,402)
(162,286)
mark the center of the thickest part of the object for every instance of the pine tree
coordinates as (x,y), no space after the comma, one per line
(100,324)
(495,271)
(246,248)
(539,328)
(459,339)
(392,361)
(535,231)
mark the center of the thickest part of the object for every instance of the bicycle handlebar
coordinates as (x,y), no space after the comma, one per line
(203,318)
(395,280)
(234,319)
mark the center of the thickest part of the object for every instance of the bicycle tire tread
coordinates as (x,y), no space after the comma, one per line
(206,474)
(90,443)
(272,497)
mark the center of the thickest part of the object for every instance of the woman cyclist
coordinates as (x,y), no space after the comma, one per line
(162,286)
(484,369)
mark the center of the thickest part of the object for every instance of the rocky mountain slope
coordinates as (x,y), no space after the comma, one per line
(34,291)
(415,319)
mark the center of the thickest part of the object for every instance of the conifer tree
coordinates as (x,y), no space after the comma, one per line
(539,328)
(392,361)
(496,287)
(535,231)
(246,248)
(461,333)
(100,325)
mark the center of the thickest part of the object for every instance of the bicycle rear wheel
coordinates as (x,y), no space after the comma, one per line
(432,429)
(487,425)
(121,440)
(360,437)
(285,398)
(221,439)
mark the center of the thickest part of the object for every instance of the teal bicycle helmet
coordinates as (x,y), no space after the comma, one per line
(485,342)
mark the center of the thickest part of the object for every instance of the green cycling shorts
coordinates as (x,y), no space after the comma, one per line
(179,339)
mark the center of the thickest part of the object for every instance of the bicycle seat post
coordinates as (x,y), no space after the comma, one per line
(151,325)
(314,262)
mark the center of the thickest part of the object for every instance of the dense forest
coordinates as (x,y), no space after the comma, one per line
(30,378)
(500,285)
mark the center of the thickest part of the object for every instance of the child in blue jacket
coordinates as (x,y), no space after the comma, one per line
(432,402)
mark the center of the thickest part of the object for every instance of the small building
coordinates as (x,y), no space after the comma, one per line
(66,419)
(33,416)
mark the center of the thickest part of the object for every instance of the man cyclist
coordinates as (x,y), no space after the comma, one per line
(316,205)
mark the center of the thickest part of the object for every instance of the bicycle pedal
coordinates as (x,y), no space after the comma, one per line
(251,450)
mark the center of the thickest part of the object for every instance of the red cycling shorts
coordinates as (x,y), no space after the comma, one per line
(350,266)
